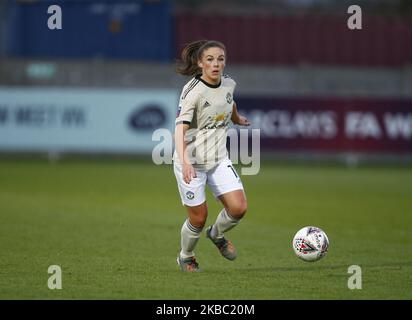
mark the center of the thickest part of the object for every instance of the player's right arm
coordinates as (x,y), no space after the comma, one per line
(181,148)
(187,106)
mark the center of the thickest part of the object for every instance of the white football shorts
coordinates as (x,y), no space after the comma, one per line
(221,179)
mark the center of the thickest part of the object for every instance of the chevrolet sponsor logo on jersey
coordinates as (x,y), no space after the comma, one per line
(218,121)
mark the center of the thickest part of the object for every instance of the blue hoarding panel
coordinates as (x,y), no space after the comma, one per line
(108,29)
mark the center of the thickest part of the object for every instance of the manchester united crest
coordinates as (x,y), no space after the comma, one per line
(229,97)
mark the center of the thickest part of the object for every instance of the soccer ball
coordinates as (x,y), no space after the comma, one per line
(310,244)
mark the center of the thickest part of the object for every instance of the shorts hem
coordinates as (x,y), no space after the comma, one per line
(229,190)
(193,205)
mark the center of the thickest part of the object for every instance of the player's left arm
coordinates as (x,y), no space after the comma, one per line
(237,118)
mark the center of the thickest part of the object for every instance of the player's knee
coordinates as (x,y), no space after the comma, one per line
(198,215)
(238,210)
(201,222)
(198,221)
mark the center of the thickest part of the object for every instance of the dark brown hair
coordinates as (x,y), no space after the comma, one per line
(192,53)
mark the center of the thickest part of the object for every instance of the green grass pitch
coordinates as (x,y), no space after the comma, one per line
(114,229)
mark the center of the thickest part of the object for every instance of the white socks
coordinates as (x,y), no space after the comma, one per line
(224,222)
(189,237)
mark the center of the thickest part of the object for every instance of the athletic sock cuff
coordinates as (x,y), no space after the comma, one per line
(192,228)
(228,216)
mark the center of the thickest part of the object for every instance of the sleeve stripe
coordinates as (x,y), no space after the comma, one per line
(183,122)
(191,86)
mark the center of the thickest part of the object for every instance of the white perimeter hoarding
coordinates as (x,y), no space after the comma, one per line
(83,120)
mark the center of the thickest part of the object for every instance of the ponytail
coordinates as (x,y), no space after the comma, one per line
(192,53)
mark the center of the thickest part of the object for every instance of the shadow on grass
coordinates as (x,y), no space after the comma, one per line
(313,266)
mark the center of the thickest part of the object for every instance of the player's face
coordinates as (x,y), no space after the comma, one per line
(212,63)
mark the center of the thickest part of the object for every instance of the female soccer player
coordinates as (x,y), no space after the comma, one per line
(206,107)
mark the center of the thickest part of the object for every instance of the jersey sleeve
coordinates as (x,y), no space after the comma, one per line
(187,106)
(231,82)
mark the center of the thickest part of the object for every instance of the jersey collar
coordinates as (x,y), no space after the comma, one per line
(207,83)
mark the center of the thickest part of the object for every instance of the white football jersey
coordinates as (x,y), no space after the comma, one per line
(207,109)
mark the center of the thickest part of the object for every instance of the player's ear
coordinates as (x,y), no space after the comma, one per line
(200,64)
